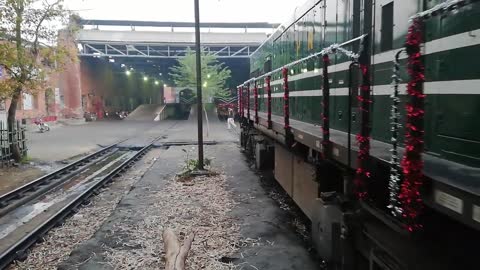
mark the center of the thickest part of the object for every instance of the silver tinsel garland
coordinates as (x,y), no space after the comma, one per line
(332,49)
(395,175)
(440,8)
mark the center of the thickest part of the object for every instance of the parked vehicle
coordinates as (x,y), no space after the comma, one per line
(89,117)
(42,126)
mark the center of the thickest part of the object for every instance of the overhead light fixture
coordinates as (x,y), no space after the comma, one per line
(208,76)
(145,78)
(165,85)
(128,72)
(122,65)
(304,70)
(205,84)
(111,60)
(157,83)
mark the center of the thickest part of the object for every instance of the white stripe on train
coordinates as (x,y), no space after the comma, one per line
(461,87)
(457,41)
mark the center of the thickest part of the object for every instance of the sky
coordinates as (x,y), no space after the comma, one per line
(273,11)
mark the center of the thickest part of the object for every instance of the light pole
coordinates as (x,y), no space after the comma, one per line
(199,85)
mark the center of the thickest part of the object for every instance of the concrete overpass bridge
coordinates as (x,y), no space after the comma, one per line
(170,39)
(127,63)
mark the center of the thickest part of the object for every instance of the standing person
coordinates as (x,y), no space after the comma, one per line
(230,121)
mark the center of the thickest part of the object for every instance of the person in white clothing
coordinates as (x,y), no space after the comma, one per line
(230,120)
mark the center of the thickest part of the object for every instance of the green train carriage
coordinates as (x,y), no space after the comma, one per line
(452,134)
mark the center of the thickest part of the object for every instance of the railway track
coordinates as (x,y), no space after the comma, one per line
(32,190)
(29,212)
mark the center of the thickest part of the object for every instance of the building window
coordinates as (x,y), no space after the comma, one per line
(267,66)
(36,102)
(84,102)
(27,102)
(386,42)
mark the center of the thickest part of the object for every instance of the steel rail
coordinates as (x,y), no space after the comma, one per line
(18,250)
(20,192)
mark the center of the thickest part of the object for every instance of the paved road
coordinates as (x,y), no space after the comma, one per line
(69,141)
(65,142)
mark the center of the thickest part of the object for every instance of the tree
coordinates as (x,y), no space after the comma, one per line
(214,74)
(28,49)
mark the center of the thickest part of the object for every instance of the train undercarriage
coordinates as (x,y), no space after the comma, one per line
(347,233)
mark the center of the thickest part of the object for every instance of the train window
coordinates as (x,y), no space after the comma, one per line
(267,66)
(386,42)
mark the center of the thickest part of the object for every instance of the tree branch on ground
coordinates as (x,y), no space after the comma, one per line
(176,254)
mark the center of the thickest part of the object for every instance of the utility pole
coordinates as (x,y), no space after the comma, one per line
(199,85)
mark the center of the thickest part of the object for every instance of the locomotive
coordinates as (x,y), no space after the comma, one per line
(368,109)
(184,101)
(223,104)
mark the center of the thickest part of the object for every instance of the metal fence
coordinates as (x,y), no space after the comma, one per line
(8,138)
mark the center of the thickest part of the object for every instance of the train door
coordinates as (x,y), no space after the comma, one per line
(331,38)
(452,103)
(345,114)
(353,76)
(262,92)
(315,104)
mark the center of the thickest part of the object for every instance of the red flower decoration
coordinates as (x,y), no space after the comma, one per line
(286,99)
(363,174)
(412,163)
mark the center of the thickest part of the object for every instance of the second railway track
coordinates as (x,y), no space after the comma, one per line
(32,190)
(29,212)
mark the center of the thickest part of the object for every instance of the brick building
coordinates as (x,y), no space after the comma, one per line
(44,104)
(60,99)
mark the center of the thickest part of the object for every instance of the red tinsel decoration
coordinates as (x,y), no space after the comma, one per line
(239,95)
(255,92)
(326,108)
(412,163)
(243,101)
(363,173)
(248,101)
(269,102)
(286,99)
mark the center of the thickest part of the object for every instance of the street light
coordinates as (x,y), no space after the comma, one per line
(157,83)
(145,78)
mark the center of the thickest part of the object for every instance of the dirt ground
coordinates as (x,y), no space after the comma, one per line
(11,178)
(238,224)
